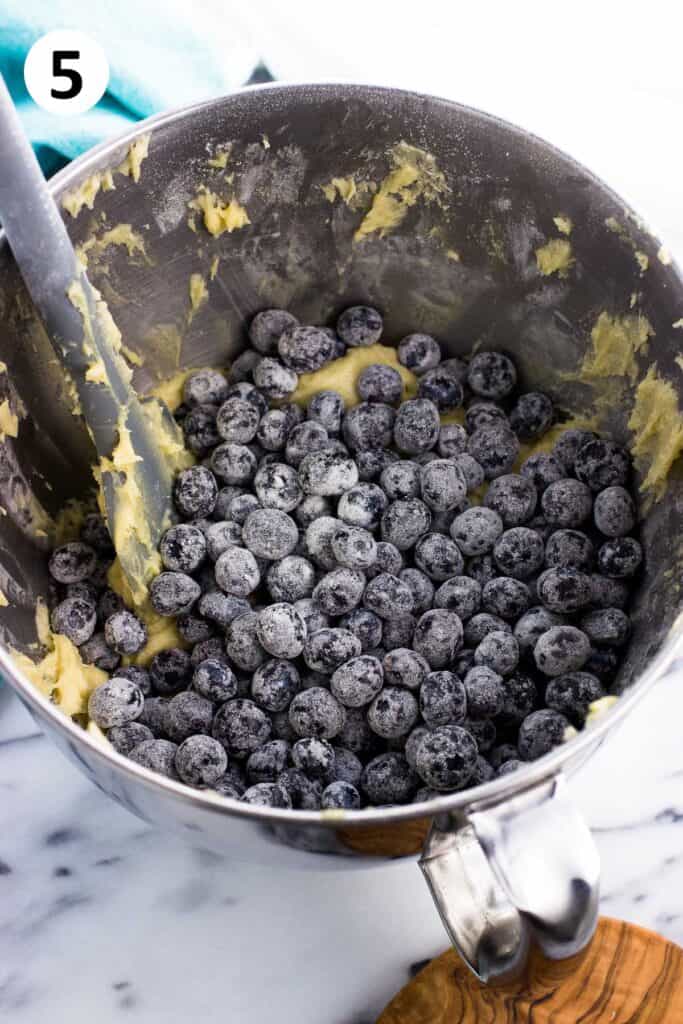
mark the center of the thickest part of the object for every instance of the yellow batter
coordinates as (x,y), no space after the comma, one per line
(414,176)
(555,257)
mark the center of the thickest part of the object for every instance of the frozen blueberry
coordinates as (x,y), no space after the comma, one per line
(360,326)
(561,649)
(327,409)
(157,755)
(290,579)
(95,533)
(273,430)
(483,731)
(267,794)
(601,463)
(460,594)
(372,461)
(443,485)
(267,327)
(567,447)
(513,497)
(214,679)
(476,530)
(115,702)
(572,694)
(318,540)
(274,685)
(481,413)
(205,386)
(417,425)
(495,448)
(340,795)
(567,503)
(173,593)
(482,624)
(124,737)
(187,714)
(532,415)
(138,675)
(519,552)
(404,522)
(602,662)
(327,473)
(199,429)
(379,383)
(608,593)
(223,535)
(327,649)
(183,548)
(303,439)
(358,681)
(472,472)
(125,632)
(242,642)
(76,619)
(153,715)
(354,547)
(221,510)
(419,353)
(237,420)
(401,480)
(421,587)
(442,699)
(316,712)
(438,637)
(569,549)
(214,647)
(339,591)
(446,758)
(498,651)
(200,760)
(305,349)
(441,388)
(87,591)
(481,568)
(606,627)
(564,589)
(312,615)
(237,572)
(304,793)
(234,463)
(393,712)
(388,596)
(614,512)
(398,632)
(540,732)
(270,533)
(542,470)
(96,651)
(519,699)
(314,756)
(368,425)
(72,562)
(439,557)
(277,486)
(312,507)
(232,783)
(389,560)
(275,380)
(195,492)
(281,630)
(491,375)
(362,505)
(620,557)
(365,625)
(463,661)
(405,667)
(240,727)
(220,609)
(452,440)
(532,624)
(388,779)
(484,688)
(505,596)
(268,762)
(347,767)
(246,390)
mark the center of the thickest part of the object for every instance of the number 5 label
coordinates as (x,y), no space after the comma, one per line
(66,72)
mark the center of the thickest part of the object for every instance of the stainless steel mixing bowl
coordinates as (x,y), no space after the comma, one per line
(507,860)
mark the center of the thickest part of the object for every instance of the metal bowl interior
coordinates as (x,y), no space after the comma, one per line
(461,264)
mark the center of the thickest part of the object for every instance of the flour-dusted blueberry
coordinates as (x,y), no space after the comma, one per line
(388,596)
(314,756)
(269,762)
(214,647)
(200,760)
(404,522)
(232,782)
(237,420)
(459,594)
(438,556)
(327,473)
(204,386)
(188,714)
(441,388)
(274,379)
(443,485)
(237,572)
(124,737)
(472,471)
(72,562)
(421,587)
(368,425)
(242,642)
(362,505)
(505,596)
(438,637)
(267,794)
(281,630)
(380,383)
(495,448)
(339,591)
(153,715)
(327,409)
(388,779)
(221,536)
(221,510)
(481,568)
(125,632)
(484,688)
(183,548)
(195,492)
(267,327)
(240,727)
(569,549)
(481,624)
(95,532)
(608,593)
(602,463)
(305,349)
(417,425)
(96,651)
(303,439)
(393,712)
(221,609)
(542,469)
(540,732)
(602,662)
(365,625)
(277,486)
(452,440)
(520,697)
(340,795)
(561,649)
(247,391)
(398,632)
(564,590)
(405,667)
(476,530)
(372,461)
(481,413)
(233,463)
(463,661)
(76,619)
(419,353)
(329,648)
(519,552)
(531,415)
(572,694)
(498,651)
(620,557)
(446,758)
(200,431)
(270,533)
(157,755)
(290,579)
(173,593)
(358,681)
(354,547)
(214,679)
(138,675)
(313,616)
(606,627)
(532,624)
(274,684)
(491,375)
(115,702)
(401,480)
(316,712)
(567,446)
(483,731)
(273,430)
(304,793)
(389,559)
(318,540)
(442,699)
(88,592)
(614,512)
(360,326)
(513,497)
(347,767)
(310,508)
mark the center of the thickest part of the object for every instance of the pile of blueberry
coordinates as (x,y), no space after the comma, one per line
(359,632)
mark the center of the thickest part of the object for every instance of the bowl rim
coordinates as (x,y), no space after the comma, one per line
(488,793)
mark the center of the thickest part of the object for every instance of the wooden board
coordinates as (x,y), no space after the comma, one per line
(627,975)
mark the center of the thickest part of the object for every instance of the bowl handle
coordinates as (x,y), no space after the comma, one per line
(506,872)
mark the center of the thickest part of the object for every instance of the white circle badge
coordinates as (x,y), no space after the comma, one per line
(66,72)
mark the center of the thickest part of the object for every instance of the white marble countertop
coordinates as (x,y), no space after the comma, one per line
(102,918)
